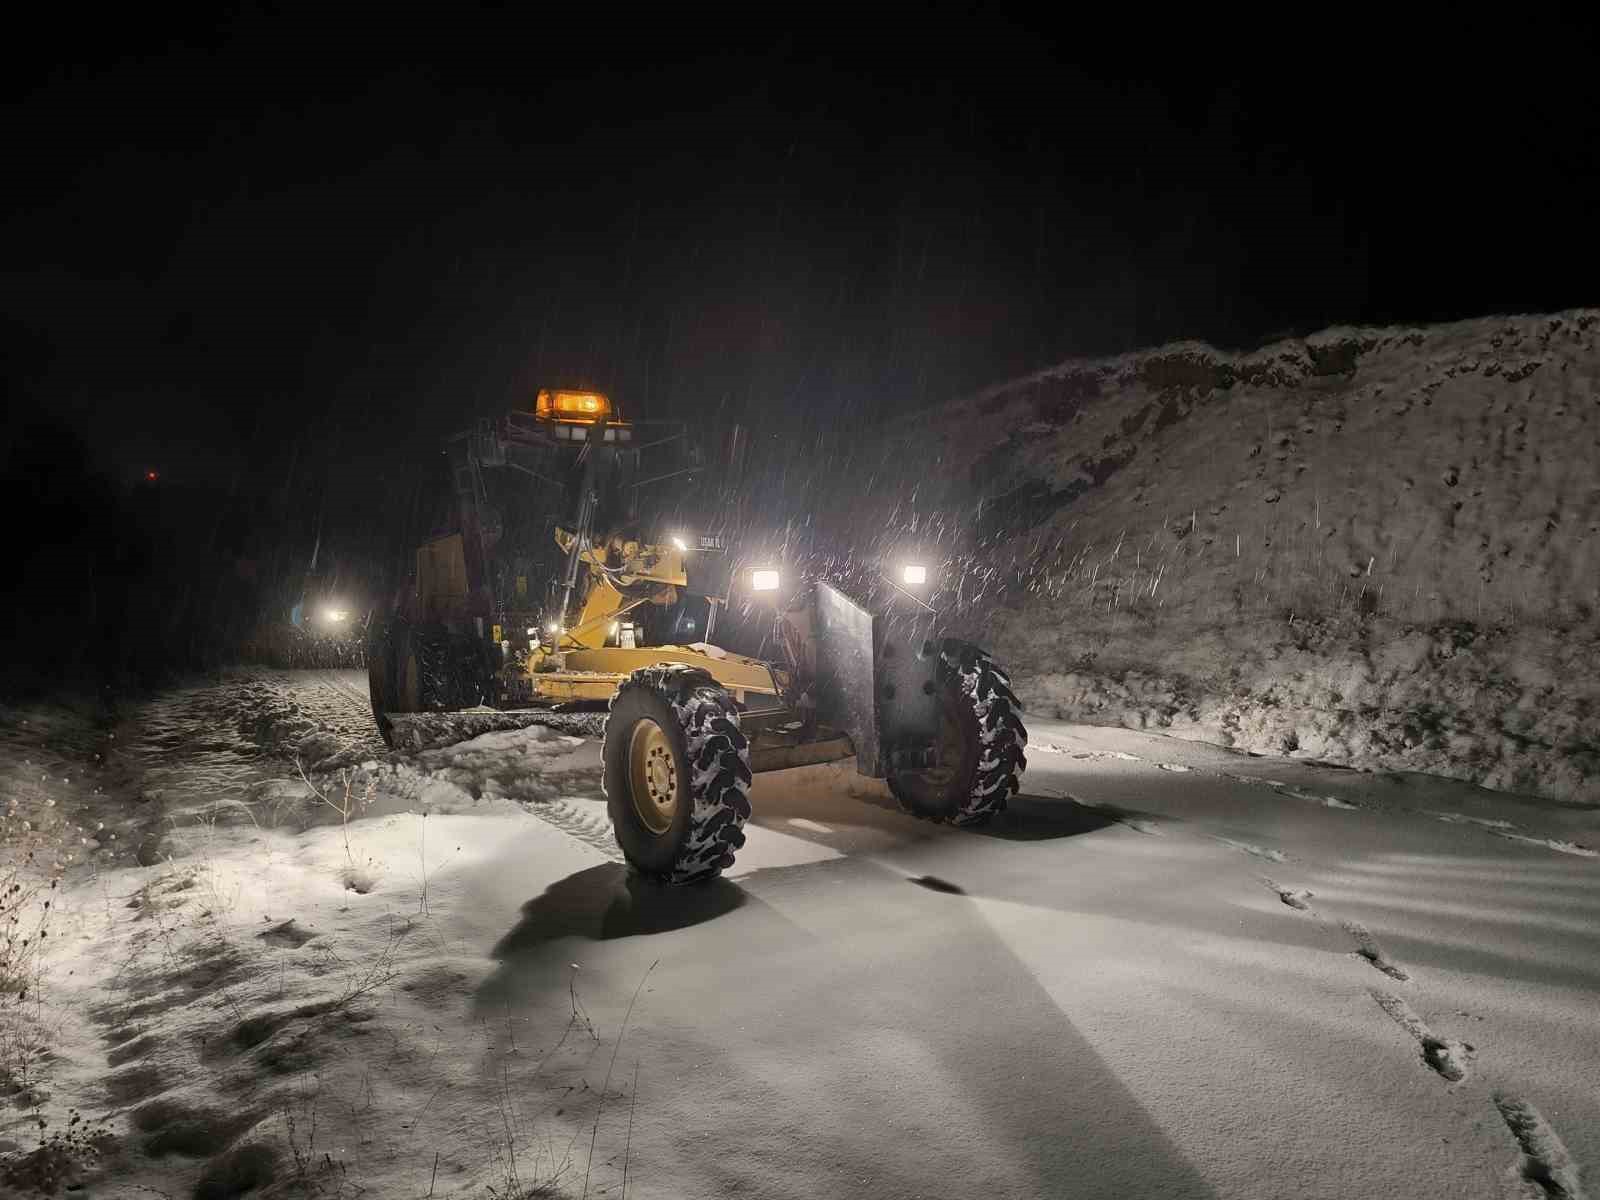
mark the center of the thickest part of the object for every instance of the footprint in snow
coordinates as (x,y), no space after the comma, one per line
(1314,798)
(1545,1162)
(1292,898)
(1447,1059)
(287,934)
(1252,849)
(1555,844)
(1455,818)
(1508,830)
(1367,949)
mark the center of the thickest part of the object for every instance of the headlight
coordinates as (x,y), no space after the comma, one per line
(335,616)
(680,544)
(765,580)
(914,574)
(552,628)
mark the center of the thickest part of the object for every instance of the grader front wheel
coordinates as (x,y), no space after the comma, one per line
(981,745)
(676,774)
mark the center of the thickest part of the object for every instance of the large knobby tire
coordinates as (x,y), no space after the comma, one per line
(981,743)
(381,680)
(676,774)
(415,668)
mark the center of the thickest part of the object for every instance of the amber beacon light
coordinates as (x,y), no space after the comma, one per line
(572,406)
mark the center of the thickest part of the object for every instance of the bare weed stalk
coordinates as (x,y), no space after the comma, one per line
(600,1110)
(518,1181)
(348,804)
(314,1174)
(32,863)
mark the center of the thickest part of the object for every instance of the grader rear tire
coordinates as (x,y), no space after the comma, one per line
(382,677)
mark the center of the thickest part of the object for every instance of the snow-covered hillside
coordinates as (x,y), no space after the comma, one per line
(1373,546)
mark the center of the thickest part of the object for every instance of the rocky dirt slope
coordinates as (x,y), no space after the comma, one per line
(1378,547)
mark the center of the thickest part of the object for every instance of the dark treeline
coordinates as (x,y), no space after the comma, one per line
(127,583)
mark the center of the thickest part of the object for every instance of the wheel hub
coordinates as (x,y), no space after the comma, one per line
(931,783)
(947,755)
(652,776)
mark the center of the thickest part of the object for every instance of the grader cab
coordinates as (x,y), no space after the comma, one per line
(626,625)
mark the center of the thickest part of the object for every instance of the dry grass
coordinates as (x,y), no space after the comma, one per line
(36,847)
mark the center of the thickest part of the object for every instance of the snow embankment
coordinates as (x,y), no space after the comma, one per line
(1374,546)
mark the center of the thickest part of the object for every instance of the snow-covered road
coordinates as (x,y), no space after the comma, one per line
(1167,970)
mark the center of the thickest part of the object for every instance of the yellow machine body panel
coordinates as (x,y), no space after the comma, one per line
(619,562)
(571,687)
(601,608)
(584,671)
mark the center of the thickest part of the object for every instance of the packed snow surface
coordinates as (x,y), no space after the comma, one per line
(1167,970)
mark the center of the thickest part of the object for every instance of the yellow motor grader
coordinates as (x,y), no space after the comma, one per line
(688,722)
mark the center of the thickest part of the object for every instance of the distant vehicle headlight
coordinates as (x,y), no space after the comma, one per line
(914,574)
(335,616)
(764,580)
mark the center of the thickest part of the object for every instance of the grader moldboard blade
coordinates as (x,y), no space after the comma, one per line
(428,730)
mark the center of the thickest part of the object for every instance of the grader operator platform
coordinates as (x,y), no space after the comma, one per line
(689,722)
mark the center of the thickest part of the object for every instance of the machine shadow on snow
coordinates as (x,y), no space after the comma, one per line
(1026,818)
(609,901)
(1029,818)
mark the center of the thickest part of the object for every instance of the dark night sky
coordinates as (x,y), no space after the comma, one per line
(243,233)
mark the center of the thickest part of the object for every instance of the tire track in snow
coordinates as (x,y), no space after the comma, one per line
(1545,1162)
(1368,949)
(581,821)
(1448,1060)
